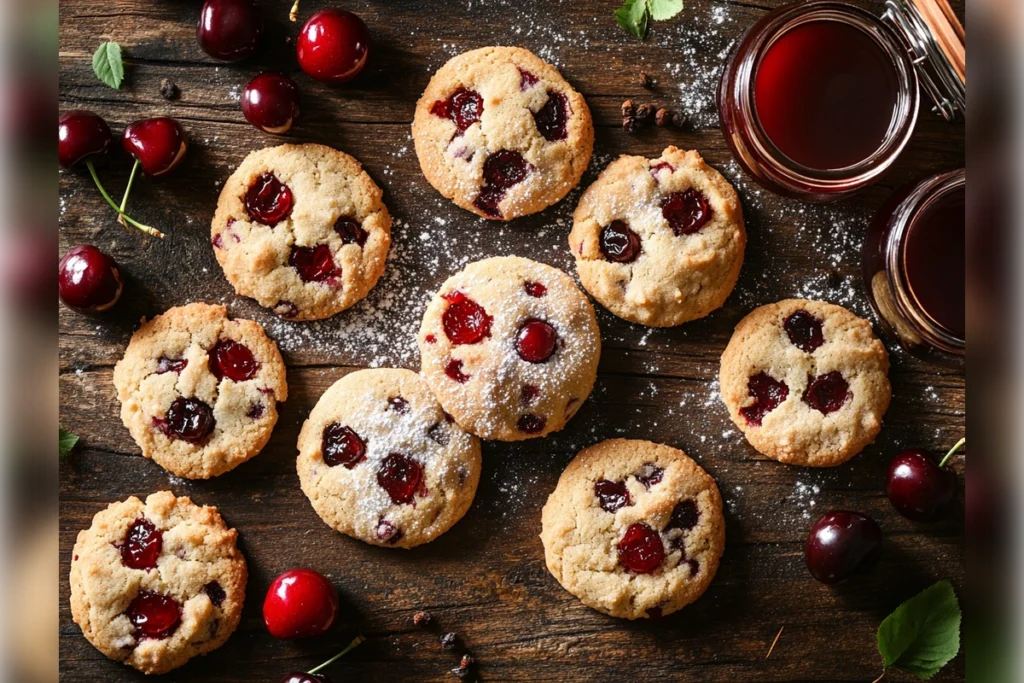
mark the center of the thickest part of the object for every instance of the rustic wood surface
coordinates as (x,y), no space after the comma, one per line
(486,578)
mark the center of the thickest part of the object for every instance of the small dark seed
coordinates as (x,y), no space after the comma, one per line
(662,118)
(645,112)
(679,120)
(628,109)
(422,619)
(631,125)
(645,80)
(448,640)
(168,89)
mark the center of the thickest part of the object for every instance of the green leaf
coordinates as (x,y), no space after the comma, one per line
(67,442)
(107,64)
(664,9)
(633,16)
(923,634)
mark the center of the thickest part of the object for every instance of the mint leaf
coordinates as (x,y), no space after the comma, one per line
(107,64)
(633,16)
(664,9)
(67,441)
(923,634)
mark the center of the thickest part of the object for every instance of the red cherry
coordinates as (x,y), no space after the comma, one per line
(535,289)
(189,419)
(314,264)
(158,144)
(768,393)
(233,360)
(333,46)
(88,281)
(641,550)
(142,545)
(81,135)
(229,30)
(553,118)
(531,424)
(268,200)
(350,231)
(612,495)
(303,677)
(464,107)
(919,488)
(215,592)
(686,212)
(401,476)
(453,368)
(684,515)
(527,80)
(649,475)
(270,102)
(170,365)
(154,615)
(840,543)
(618,243)
(340,445)
(827,393)
(300,603)
(804,330)
(464,320)
(502,170)
(536,341)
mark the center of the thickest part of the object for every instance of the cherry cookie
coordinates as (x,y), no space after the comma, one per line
(634,529)
(501,133)
(198,391)
(659,241)
(806,382)
(510,347)
(154,584)
(380,461)
(301,229)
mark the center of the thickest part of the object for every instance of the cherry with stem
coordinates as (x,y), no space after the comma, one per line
(312,676)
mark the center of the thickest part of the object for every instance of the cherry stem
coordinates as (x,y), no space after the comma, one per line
(879,678)
(294,13)
(355,642)
(128,191)
(954,449)
(144,228)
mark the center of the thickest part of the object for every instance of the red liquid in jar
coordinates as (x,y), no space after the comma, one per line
(825,93)
(933,259)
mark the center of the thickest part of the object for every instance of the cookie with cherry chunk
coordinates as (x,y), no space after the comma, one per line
(302,229)
(510,347)
(806,382)
(634,529)
(156,583)
(659,241)
(381,461)
(199,391)
(499,132)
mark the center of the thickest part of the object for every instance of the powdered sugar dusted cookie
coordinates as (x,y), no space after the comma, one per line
(198,391)
(634,529)
(806,382)
(382,462)
(501,133)
(659,241)
(301,229)
(154,584)
(510,347)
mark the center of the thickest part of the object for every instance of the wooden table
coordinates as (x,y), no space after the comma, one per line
(486,578)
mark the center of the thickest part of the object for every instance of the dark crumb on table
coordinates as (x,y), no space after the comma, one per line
(463,670)
(448,640)
(645,112)
(628,109)
(169,89)
(645,80)
(662,118)
(422,619)
(679,120)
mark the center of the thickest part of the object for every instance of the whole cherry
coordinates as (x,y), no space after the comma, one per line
(229,30)
(158,145)
(88,280)
(919,488)
(300,603)
(312,676)
(840,543)
(270,102)
(333,46)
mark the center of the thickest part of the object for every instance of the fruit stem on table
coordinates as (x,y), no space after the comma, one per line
(356,641)
(128,191)
(959,444)
(144,228)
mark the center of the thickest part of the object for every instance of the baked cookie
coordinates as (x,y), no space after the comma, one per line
(154,584)
(510,347)
(198,391)
(301,229)
(806,382)
(380,461)
(659,241)
(634,529)
(501,133)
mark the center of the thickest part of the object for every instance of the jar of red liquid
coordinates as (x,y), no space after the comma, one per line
(820,98)
(914,268)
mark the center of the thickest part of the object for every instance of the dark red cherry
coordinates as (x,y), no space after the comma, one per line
(268,200)
(502,170)
(840,543)
(142,545)
(303,677)
(229,30)
(531,424)
(333,46)
(827,393)
(768,393)
(215,592)
(618,243)
(552,119)
(641,550)
(612,495)
(656,168)
(536,341)
(528,394)
(300,603)
(154,615)
(684,515)
(401,476)
(81,135)
(388,532)
(159,144)
(535,289)
(649,475)
(351,231)
(189,419)
(526,80)
(88,281)
(464,320)
(286,309)
(314,264)
(256,411)
(917,487)
(463,107)
(170,365)
(453,368)
(804,330)
(233,360)
(399,405)
(686,212)
(341,445)
(270,102)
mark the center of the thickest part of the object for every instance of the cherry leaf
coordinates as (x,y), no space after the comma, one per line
(66,441)
(923,634)
(664,9)
(107,64)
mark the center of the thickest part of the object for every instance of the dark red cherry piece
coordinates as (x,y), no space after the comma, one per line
(686,212)
(768,393)
(159,144)
(270,102)
(840,543)
(527,80)
(531,424)
(81,135)
(618,243)
(314,264)
(256,411)
(649,475)
(388,532)
(804,330)
(528,394)
(502,170)
(351,231)
(464,320)
(536,341)
(552,119)
(463,107)
(535,289)
(401,476)
(170,365)
(233,360)
(154,615)
(189,419)
(286,309)
(827,393)
(268,200)
(453,368)
(641,550)
(656,168)
(684,515)
(142,545)
(612,495)
(303,677)
(917,487)
(215,592)
(333,46)
(300,603)
(88,280)
(399,405)
(229,30)
(340,445)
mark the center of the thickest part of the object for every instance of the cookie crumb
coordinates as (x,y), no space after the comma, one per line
(662,117)
(169,89)
(422,619)
(448,640)
(646,81)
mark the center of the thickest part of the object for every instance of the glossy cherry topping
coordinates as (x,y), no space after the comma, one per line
(553,118)
(536,341)
(341,445)
(142,545)
(804,331)
(215,592)
(612,495)
(170,365)
(430,339)
(618,243)
(527,80)
(453,368)
(189,419)
(827,393)
(641,550)
(399,405)
(528,394)
(351,231)
(684,515)
(649,475)
(464,320)
(502,170)
(686,212)
(768,393)
(463,107)
(154,615)
(535,289)
(314,264)
(268,200)
(233,360)
(388,532)
(401,476)
(531,424)
(656,168)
